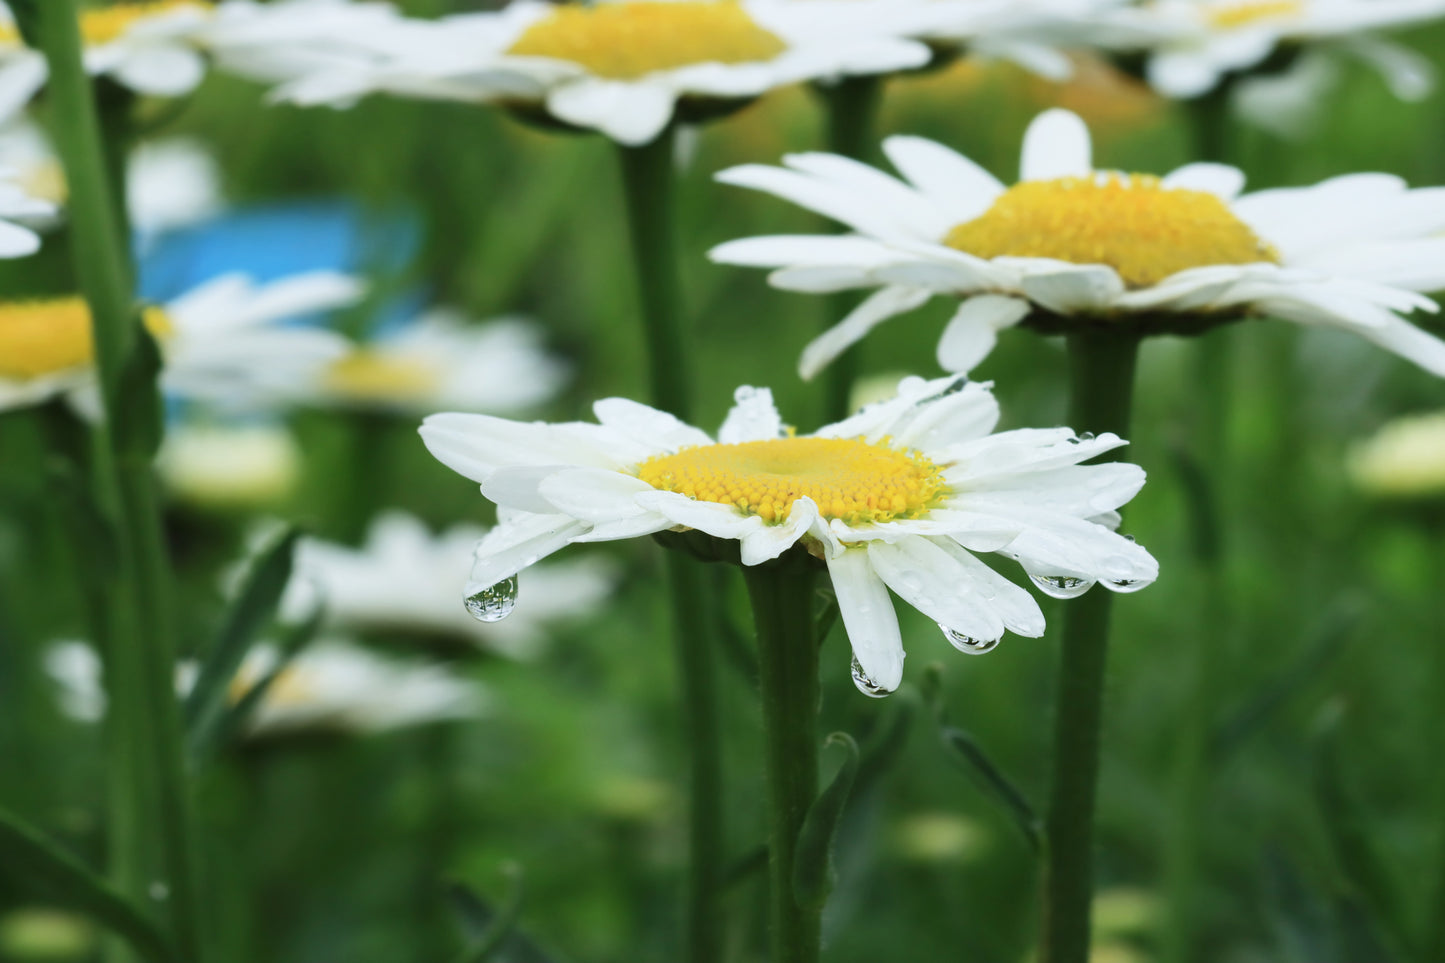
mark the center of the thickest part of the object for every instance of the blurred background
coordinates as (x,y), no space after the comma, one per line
(1319,813)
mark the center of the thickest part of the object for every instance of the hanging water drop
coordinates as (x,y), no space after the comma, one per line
(1127,585)
(866,685)
(967,643)
(1062,586)
(494,602)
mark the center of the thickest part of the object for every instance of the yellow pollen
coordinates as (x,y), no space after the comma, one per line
(46,337)
(101,26)
(366,375)
(1130,222)
(631,39)
(1229,14)
(847,478)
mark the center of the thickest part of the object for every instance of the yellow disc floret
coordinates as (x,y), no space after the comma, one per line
(46,337)
(365,375)
(627,40)
(105,24)
(1130,222)
(847,478)
(1229,14)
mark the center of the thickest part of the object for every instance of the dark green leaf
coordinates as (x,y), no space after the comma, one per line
(976,763)
(39,868)
(739,870)
(1201,506)
(251,612)
(26,14)
(813,872)
(138,412)
(492,930)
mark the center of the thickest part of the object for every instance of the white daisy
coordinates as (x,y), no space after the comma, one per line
(623,67)
(1404,459)
(145,46)
(404,577)
(274,42)
(1205,40)
(19,208)
(229,466)
(441,360)
(900,496)
(224,342)
(1070,244)
(331,685)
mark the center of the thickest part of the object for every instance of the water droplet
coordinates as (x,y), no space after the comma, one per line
(158,891)
(494,602)
(1129,538)
(1081,437)
(1062,586)
(967,643)
(866,685)
(1127,585)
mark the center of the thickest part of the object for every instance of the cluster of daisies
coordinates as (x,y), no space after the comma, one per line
(907,494)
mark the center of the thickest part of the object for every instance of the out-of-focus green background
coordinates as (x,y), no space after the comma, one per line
(1320,814)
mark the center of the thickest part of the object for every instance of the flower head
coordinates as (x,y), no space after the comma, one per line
(221,342)
(1069,245)
(440,360)
(623,67)
(900,496)
(146,46)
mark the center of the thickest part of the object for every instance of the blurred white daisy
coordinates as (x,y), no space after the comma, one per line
(441,360)
(1404,459)
(900,496)
(330,685)
(623,67)
(229,466)
(1205,40)
(406,578)
(19,208)
(274,42)
(145,46)
(1070,244)
(225,341)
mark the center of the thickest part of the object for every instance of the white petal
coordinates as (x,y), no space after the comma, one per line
(879,307)
(961,188)
(1056,145)
(713,518)
(1182,74)
(17,241)
(516,488)
(594,494)
(519,541)
(973,330)
(869,618)
(794,250)
(927,578)
(162,71)
(753,417)
(1220,180)
(631,113)
(648,426)
(1409,342)
(475,446)
(1086,289)
(767,542)
(21,75)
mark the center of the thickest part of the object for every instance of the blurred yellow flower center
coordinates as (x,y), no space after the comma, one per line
(366,375)
(108,23)
(46,181)
(45,337)
(1227,14)
(1130,222)
(847,478)
(626,40)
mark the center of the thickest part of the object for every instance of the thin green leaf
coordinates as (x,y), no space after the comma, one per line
(825,611)
(490,930)
(139,410)
(1200,505)
(976,763)
(884,745)
(813,871)
(39,868)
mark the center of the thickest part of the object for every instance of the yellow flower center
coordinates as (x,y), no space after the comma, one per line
(1130,222)
(366,375)
(45,180)
(631,39)
(1229,14)
(291,687)
(46,337)
(105,24)
(847,478)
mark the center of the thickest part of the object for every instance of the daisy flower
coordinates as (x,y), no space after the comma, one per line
(440,360)
(229,466)
(623,67)
(145,46)
(1404,459)
(901,496)
(331,685)
(404,577)
(18,203)
(274,42)
(224,341)
(1070,245)
(1204,41)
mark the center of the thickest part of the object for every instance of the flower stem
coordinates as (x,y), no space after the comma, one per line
(151,852)
(781,596)
(648,183)
(852,116)
(650,188)
(1102,379)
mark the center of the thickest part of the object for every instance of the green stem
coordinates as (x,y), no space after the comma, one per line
(781,597)
(852,116)
(649,186)
(1102,379)
(649,183)
(149,811)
